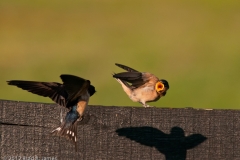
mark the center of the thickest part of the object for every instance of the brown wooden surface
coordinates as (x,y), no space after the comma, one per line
(121,133)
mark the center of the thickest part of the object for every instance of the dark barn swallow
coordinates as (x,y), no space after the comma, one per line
(74,94)
(144,87)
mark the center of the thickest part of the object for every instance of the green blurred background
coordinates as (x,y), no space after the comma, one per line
(195,45)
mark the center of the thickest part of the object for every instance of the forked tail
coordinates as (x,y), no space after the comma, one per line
(68,131)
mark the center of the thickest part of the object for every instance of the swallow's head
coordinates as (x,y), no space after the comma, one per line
(162,87)
(91,90)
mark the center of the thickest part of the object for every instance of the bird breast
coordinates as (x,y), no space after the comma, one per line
(82,103)
(145,94)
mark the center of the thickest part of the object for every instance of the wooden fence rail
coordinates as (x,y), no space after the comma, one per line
(120,133)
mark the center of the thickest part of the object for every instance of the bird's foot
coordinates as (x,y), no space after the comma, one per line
(148,106)
(80,119)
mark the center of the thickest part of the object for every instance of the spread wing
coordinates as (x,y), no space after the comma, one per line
(52,90)
(134,77)
(75,87)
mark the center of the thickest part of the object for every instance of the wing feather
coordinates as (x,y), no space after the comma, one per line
(52,90)
(126,67)
(134,77)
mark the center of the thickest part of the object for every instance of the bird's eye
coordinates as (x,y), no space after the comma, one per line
(159,86)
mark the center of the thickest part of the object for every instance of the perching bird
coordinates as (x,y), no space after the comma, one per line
(74,94)
(144,87)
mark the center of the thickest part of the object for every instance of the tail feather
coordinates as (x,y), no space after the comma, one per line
(123,82)
(69,132)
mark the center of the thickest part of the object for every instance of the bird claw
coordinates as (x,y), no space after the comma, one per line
(80,119)
(148,106)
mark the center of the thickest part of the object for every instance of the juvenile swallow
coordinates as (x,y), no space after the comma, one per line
(141,87)
(74,94)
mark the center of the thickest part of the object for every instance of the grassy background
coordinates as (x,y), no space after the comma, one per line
(195,45)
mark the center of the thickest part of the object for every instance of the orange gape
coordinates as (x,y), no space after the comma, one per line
(159,86)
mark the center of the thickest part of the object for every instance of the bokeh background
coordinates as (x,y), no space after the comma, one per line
(195,45)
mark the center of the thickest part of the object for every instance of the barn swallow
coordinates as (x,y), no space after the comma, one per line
(144,87)
(73,94)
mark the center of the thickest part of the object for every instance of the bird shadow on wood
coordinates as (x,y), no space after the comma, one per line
(174,145)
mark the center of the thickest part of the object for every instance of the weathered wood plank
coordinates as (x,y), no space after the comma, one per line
(121,133)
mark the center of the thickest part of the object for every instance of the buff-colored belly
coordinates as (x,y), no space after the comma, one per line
(144,95)
(81,107)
